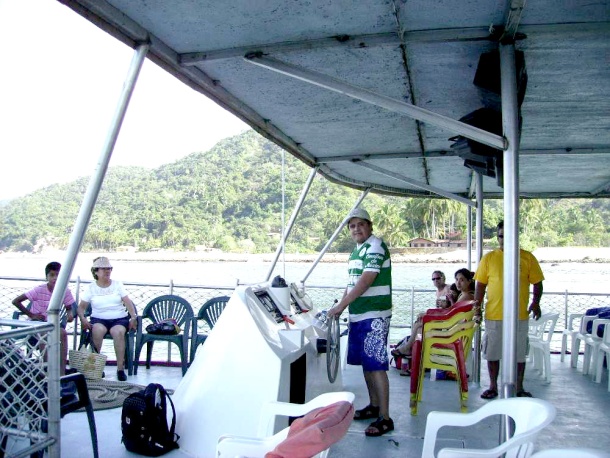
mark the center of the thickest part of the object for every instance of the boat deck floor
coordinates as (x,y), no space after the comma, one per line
(583,415)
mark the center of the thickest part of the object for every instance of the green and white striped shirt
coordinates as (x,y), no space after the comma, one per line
(376,302)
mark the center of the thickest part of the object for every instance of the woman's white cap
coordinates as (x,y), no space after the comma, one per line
(359,213)
(101,263)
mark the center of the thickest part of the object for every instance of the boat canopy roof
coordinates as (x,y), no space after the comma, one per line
(355,87)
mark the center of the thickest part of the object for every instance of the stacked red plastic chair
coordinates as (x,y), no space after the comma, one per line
(445,343)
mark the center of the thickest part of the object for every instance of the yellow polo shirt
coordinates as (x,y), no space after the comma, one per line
(491,271)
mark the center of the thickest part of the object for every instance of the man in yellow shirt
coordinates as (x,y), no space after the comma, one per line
(489,277)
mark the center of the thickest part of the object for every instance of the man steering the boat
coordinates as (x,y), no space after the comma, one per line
(369,298)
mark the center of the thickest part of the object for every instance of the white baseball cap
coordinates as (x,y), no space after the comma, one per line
(101,262)
(359,213)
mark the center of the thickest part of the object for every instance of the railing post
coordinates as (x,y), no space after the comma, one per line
(412,306)
(565,306)
(476,356)
(77,299)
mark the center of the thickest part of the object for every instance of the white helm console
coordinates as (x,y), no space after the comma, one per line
(264,347)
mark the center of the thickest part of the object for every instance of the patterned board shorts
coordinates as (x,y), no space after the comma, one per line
(367,344)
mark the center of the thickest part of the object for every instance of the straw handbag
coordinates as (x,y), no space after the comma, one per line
(89,363)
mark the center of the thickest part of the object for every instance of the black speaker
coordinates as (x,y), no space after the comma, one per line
(482,158)
(488,81)
(479,157)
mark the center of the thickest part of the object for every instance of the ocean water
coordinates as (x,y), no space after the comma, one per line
(559,277)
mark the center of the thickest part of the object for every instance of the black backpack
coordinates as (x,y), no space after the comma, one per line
(144,422)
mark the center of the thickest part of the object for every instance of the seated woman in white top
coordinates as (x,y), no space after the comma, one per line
(111,311)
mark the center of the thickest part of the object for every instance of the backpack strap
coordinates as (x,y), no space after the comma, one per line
(150,394)
(172,428)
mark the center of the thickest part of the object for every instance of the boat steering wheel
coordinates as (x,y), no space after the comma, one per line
(333,349)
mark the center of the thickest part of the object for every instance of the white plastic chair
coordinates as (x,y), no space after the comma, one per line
(540,344)
(529,414)
(603,351)
(252,447)
(592,343)
(571,453)
(581,335)
(534,333)
(570,332)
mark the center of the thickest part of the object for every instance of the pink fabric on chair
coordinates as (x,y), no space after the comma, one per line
(315,432)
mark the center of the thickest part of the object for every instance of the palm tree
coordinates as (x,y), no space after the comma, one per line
(391,225)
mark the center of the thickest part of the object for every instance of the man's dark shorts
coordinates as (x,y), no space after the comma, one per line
(367,344)
(109,324)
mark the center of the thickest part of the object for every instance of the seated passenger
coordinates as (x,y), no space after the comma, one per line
(464,281)
(40,296)
(112,311)
(445,298)
(445,294)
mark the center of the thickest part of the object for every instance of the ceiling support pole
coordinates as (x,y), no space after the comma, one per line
(293,217)
(334,236)
(510,123)
(76,240)
(383,101)
(479,215)
(469,238)
(476,361)
(400,177)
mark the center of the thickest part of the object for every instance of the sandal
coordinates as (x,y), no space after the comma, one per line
(367,413)
(524,394)
(382,426)
(489,394)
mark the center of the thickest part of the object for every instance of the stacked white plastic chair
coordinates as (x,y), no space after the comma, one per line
(540,344)
(592,343)
(535,329)
(570,331)
(603,351)
(580,336)
(530,416)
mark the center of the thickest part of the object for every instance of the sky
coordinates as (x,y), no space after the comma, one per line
(60,80)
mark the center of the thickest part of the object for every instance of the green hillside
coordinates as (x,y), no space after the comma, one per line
(230,198)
